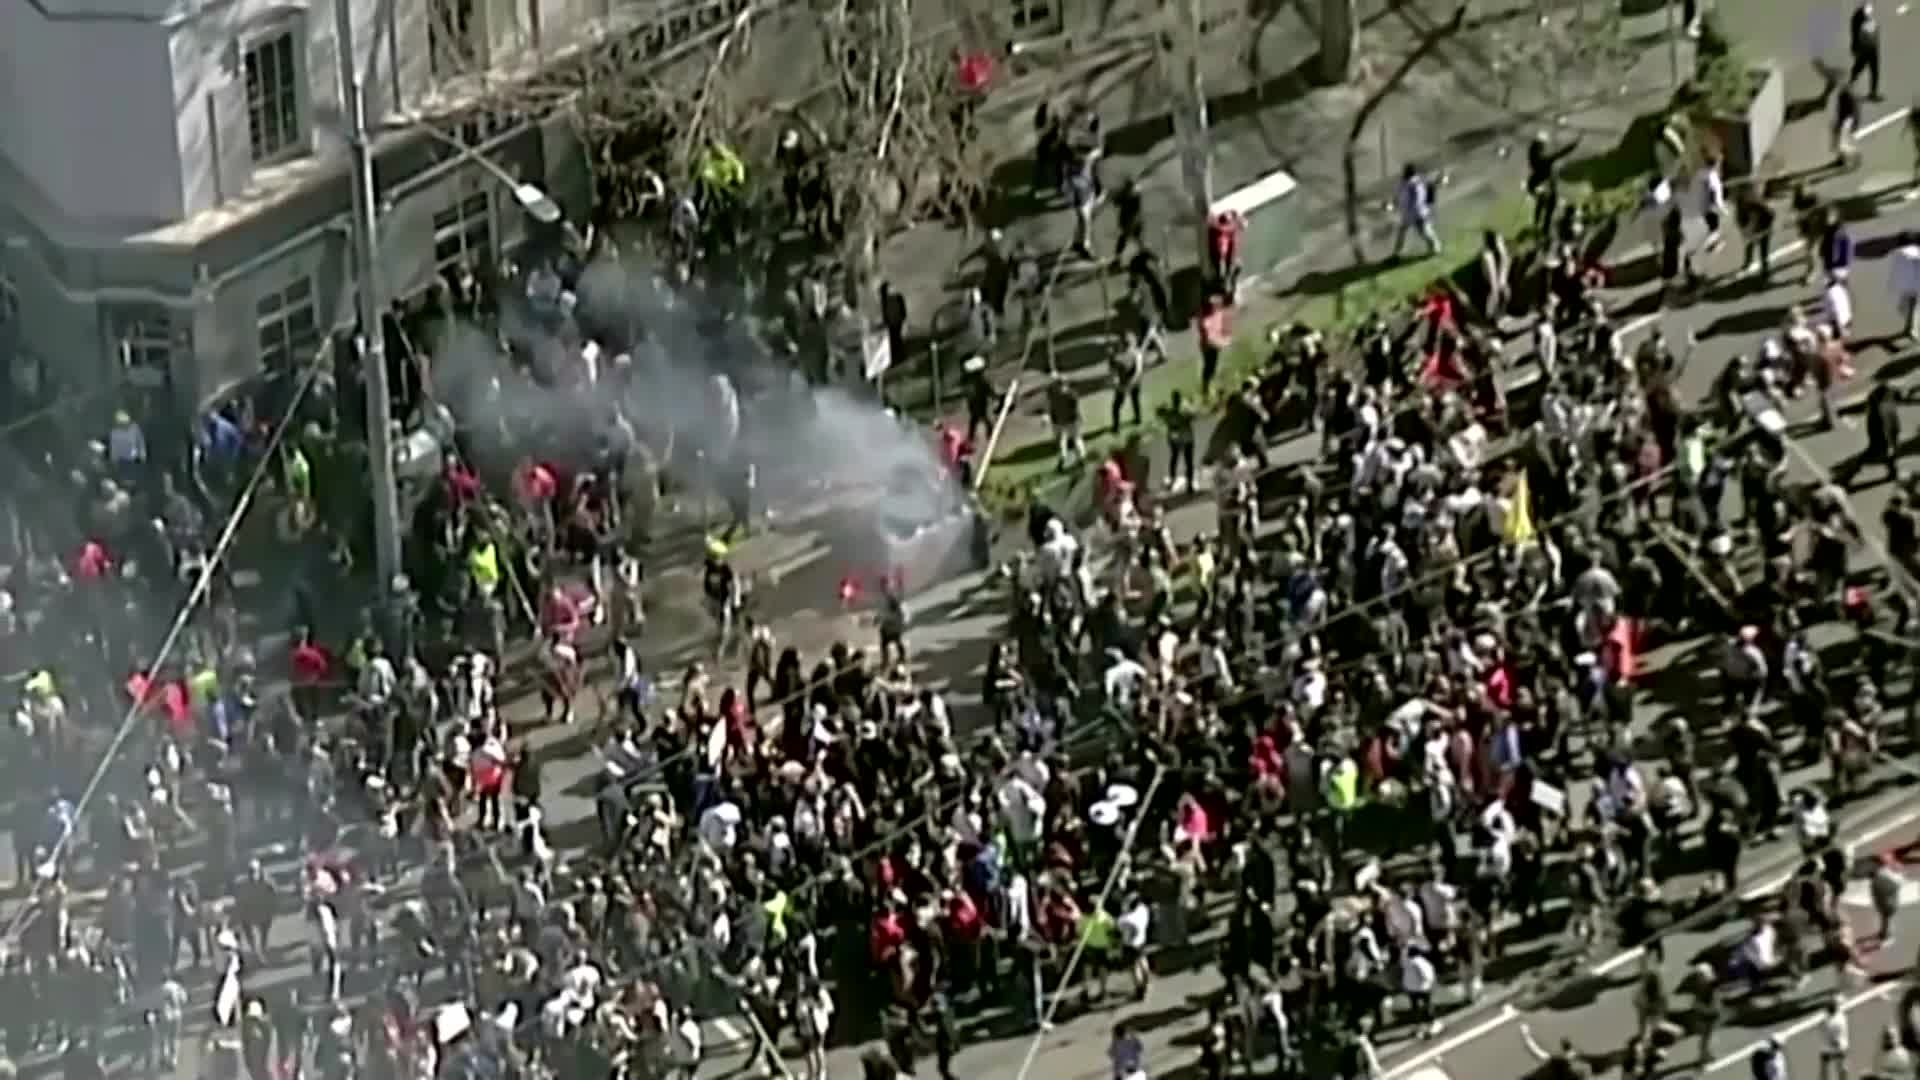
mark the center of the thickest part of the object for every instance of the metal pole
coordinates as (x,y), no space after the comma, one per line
(369,301)
(985,457)
(1673,42)
(933,360)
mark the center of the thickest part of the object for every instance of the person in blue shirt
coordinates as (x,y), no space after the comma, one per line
(1836,246)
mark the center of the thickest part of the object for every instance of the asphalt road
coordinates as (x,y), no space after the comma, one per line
(1731,317)
(951,630)
(1596,1011)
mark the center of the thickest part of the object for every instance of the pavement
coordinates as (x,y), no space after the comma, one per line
(1778,31)
(1595,1010)
(1462,103)
(952,626)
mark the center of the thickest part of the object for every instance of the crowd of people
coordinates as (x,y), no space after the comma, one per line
(1368,723)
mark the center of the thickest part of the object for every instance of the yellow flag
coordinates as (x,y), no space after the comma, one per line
(1518,528)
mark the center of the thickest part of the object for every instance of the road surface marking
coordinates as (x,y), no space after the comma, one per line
(1509,1014)
(1806,1024)
(1771,884)
(1416,1067)
(731,1034)
(1792,247)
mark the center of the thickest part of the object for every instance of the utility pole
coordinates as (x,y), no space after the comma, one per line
(368,300)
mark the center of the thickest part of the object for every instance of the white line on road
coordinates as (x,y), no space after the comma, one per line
(1792,247)
(1506,1015)
(1772,884)
(1804,1025)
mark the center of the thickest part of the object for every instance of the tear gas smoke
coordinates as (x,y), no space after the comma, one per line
(702,393)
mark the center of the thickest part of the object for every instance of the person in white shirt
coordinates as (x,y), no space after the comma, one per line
(1713,203)
(1546,340)
(1835,1041)
(1837,304)
(1418,978)
(1904,280)
(1133,924)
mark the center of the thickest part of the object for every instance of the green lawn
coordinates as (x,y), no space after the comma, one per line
(1330,302)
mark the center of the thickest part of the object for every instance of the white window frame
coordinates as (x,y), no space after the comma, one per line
(446,59)
(1034,17)
(265,147)
(143,342)
(466,231)
(286,325)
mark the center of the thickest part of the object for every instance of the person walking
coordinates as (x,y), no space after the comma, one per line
(1755,219)
(1887,882)
(1846,127)
(1415,201)
(1126,366)
(1063,412)
(1177,415)
(1863,39)
(1713,203)
(1215,328)
(1904,280)
(1835,1041)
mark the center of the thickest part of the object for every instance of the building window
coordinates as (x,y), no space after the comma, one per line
(273,98)
(143,335)
(1032,15)
(289,326)
(453,38)
(463,233)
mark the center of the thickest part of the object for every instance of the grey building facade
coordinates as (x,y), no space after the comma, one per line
(174,189)
(173,177)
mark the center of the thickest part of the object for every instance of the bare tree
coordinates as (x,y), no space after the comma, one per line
(891,127)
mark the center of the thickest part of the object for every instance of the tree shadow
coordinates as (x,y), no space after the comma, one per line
(1628,160)
(1350,164)
(1749,321)
(1142,136)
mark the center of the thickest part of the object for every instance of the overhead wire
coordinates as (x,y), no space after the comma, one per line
(195,595)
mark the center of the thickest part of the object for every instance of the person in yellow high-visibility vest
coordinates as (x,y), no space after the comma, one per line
(204,686)
(297,474)
(1341,790)
(483,567)
(722,171)
(1099,937)
(777,910)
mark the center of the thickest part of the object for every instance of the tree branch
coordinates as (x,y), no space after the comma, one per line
(899,84)
(690,134)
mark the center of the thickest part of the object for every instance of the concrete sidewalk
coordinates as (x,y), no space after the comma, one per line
(1478,143)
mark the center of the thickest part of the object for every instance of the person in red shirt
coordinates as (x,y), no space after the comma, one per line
(462,486)
(1115,490)
(560,615)
(1216,332)
(93,562)
(1223,249)
(964,928)
(886,936)
(177,704)
(309,669)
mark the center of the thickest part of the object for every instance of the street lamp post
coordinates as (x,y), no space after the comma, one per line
(368,300)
